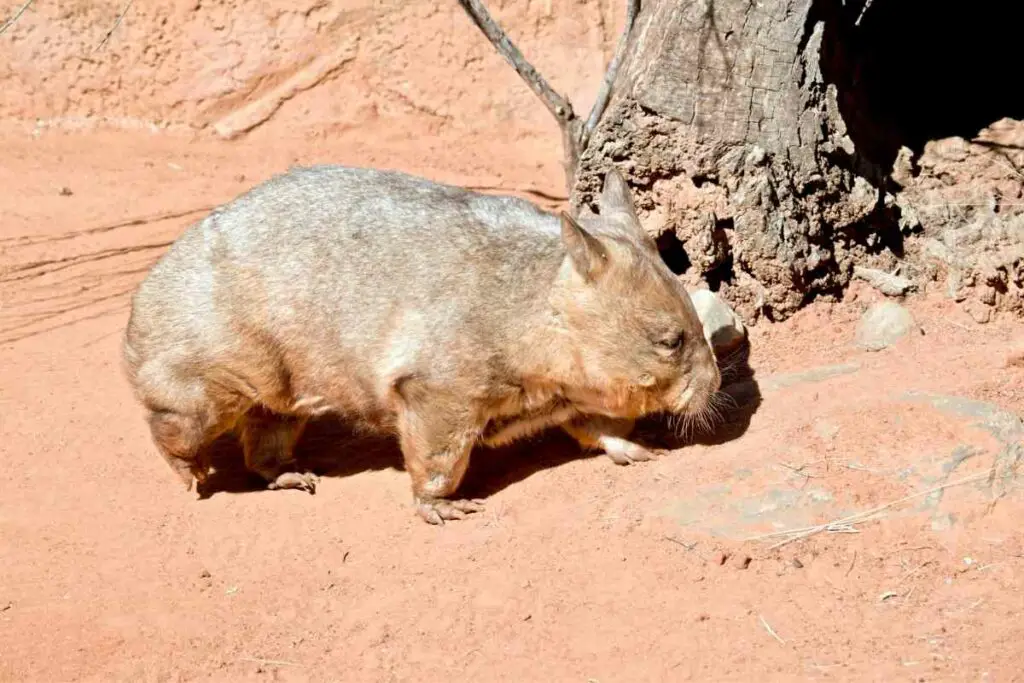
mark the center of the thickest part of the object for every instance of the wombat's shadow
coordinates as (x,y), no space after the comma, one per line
(331,448)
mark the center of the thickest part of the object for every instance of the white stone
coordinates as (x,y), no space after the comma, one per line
(883,325)
(722,327)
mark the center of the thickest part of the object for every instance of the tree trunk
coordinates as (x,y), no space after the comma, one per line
(735,121)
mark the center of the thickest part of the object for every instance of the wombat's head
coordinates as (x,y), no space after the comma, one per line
(639,345)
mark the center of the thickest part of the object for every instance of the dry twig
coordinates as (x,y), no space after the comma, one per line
(272,662)
(605,93)
(17,15)
(846,524)
(575,131)
(771,631)
(117,22)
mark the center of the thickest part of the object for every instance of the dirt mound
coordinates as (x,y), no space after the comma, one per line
(231,66)
(963,207)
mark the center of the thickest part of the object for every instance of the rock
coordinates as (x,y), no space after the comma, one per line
(979,311)
(883,325)
(890,285)
(722,327)
(903,167)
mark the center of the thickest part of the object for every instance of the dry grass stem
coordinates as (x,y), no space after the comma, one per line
(117,22)
(771,631)
(846,524)
(17,15)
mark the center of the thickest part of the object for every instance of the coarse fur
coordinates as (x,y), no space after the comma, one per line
(447,317)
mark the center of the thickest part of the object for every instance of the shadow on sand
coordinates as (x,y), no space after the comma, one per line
(332,449)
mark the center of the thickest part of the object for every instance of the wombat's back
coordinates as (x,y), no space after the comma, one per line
(336,267)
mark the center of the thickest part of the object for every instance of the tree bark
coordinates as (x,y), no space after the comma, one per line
(775,145)
(725,127)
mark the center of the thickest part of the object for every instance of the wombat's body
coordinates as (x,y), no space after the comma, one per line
(447,317)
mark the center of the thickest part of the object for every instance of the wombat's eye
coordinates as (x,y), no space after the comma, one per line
(671,342)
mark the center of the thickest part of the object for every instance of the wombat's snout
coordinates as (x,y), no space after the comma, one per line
(699,385)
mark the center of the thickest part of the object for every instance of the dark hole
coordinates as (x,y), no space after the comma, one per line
(720,274)
(672,252)
(919,70)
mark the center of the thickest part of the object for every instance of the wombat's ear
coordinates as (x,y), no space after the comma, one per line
(585,214)
(618,210)
(616,197)
(588,255)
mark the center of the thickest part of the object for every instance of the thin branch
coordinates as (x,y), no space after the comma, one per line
(771,631)
(559,106)
(575,132)
(605,93)
(845,525)
(117,22)
(17,15)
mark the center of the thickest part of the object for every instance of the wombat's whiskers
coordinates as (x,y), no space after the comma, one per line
(711,414)
(732,364)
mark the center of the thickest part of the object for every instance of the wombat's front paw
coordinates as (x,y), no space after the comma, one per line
(304,481)
(437,510)
(623,452)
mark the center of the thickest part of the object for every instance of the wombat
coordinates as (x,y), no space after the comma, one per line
(446,317)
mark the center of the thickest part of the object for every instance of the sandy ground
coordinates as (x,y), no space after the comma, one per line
(578,570)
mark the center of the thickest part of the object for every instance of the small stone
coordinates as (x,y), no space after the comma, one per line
(797,564)
(883,325)
(903,167)
(886,283)
(65,191)
(722,327)
(979,312)
(954,286)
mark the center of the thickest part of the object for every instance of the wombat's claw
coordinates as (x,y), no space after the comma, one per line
(437,511)
(624,452)
(304,481)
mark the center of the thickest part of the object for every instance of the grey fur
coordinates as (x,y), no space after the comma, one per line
(448,317)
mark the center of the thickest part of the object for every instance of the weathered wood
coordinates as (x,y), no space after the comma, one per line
(724,125)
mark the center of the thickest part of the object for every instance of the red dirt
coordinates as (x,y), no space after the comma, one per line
(578,570)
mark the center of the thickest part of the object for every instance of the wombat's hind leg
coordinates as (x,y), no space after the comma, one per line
(268,441)
(436,443)
(610,436)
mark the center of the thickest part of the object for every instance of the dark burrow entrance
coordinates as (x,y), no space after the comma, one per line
(911,71)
